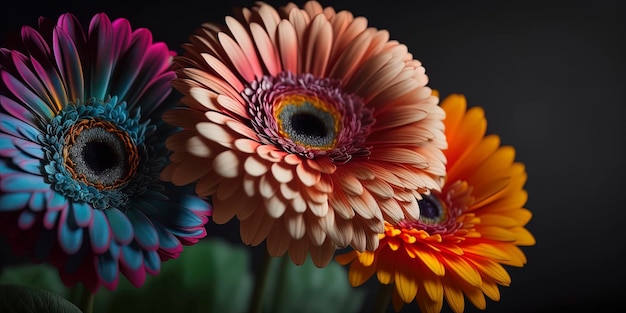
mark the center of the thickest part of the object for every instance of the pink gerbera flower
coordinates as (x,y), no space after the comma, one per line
(307,125)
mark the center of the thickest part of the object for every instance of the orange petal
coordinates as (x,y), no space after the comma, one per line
(282,172)
(463,269)
(406,286)
(226,164)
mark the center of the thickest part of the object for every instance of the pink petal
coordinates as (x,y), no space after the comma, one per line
(287,43)
(243,39)
(237,57)
(266,49)
(317,46)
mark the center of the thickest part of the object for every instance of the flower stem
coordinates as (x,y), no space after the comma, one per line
(280,283)
(382,298)
(86,299)
(260,283)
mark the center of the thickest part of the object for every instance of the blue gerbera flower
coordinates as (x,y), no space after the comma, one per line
(81,150)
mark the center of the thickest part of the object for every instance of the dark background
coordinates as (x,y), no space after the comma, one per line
(552,81)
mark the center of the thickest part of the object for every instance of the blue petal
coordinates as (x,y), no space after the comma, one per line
(32,166)
(196,204)
(13,201)
(99,232)
(30,133)
(7,147)
(23,182)
(56,201)
(114,250)
(166,239)
(107,268)
(169,214)
(30,148)
(152,261)
(36,202)
(26,220)
(81,214)
(145,234)
(70,238)
(50,219)
(132,256)
(121,226)
(17,128)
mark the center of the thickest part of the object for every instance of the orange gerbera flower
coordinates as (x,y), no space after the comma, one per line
(465,233)
(306,125)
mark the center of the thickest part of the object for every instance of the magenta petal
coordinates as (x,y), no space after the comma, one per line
(17,110)
(53,83)
(36,45)
(68,61)
(99,43)
(122,31)
(28,98)
(137,277)
(129,69)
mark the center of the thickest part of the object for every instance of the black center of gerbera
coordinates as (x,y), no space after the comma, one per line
(431,209)
(306,124)
(100,156)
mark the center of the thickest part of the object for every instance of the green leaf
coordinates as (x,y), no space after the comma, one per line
(210,276)
(38,276)
(22,299)
(309,289)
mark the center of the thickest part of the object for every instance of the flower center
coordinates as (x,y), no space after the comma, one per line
(432,210)
(309,116)
(100,154)
(308,121)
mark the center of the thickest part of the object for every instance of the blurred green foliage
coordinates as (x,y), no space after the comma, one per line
(211,276)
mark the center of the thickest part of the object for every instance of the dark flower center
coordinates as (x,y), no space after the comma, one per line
(307,121)
(309,125)
(432,210)
(100,154)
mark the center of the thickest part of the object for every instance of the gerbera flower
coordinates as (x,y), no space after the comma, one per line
(306,125)
(81,149)
(465,233)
